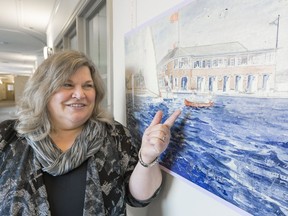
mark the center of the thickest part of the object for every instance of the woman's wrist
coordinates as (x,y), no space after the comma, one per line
(147,165)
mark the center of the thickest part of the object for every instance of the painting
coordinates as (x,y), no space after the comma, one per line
(224,64)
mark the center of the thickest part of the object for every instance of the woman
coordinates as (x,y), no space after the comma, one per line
(65,155)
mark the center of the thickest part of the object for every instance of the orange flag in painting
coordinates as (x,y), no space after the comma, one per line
(174,17)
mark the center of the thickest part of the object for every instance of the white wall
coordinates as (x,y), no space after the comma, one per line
(177,197)
(2,91)
(19,85)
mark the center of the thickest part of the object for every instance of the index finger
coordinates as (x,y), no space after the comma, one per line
(170,121)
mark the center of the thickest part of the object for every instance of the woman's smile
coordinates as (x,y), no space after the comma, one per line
(77,105)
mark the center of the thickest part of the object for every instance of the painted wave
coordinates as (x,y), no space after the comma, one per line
(237,150)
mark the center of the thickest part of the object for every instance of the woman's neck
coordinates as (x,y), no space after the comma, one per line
(64,139)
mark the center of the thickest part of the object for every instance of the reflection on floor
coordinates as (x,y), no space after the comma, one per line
(7,110)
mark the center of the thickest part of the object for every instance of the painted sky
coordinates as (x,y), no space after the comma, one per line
(250,23)
(253,24)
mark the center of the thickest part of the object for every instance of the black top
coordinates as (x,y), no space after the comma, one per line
(66,192)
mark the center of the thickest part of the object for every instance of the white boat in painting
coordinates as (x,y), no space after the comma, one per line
(199,101)
(150,74)
(149,66)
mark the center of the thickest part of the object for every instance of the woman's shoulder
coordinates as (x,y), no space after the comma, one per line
(7,131)
(120,129)
(8,122)
(7,126)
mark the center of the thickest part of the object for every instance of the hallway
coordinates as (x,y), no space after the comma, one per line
(7,110)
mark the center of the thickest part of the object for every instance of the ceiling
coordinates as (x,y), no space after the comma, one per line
(23,25)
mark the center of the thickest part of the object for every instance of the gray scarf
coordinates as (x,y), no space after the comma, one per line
(86,145)
(56,162)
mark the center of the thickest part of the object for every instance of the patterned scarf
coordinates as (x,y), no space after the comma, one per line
(56,162)
(86,145)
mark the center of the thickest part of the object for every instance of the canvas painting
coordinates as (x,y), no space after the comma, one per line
(224,64)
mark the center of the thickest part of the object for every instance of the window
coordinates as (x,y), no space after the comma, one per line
(197,64)
(231,61)
(97,39)
(204,64)
(215,62)
(183,63)
(96,46)
(242,60)
(10,87)
(59,46)
(73,40)
(208,63)
(70,39)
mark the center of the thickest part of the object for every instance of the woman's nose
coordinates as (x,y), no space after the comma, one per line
(78,93)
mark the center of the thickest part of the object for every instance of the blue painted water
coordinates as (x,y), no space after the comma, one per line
(237,149)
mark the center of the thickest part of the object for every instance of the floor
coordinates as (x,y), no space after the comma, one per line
(7,110)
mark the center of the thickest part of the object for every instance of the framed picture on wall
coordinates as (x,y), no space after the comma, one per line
(224,63)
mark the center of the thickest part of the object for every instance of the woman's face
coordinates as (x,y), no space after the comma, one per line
(73,103)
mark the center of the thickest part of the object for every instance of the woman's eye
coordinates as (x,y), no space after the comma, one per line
(67,85)
(88,86)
